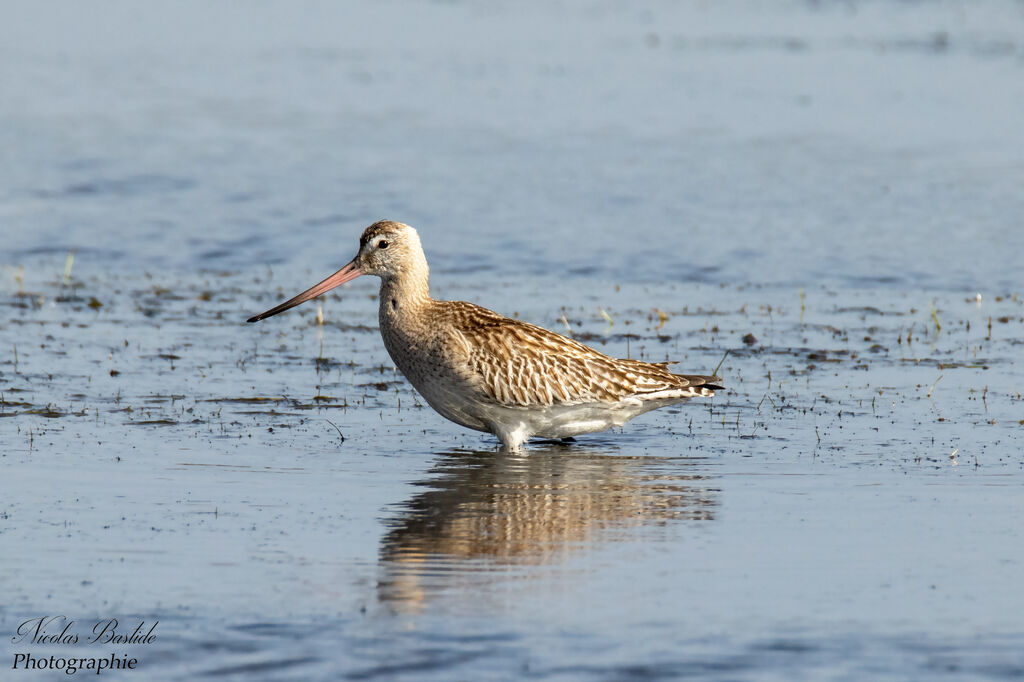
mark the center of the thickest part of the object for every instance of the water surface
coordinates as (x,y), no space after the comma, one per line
(829,192)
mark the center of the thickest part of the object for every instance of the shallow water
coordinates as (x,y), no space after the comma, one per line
(822,178)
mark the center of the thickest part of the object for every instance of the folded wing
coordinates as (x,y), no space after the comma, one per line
(522,365)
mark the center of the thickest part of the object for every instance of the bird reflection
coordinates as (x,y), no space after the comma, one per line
(484,511)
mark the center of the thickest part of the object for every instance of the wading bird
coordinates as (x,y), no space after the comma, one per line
(491,373)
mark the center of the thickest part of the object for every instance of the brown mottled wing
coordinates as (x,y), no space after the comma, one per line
(519,364)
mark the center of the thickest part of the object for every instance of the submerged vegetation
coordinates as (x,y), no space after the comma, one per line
(807,372)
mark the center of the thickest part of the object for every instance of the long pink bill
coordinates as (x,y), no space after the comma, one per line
(346,274)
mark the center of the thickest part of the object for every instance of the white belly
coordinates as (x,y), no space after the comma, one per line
(515,425)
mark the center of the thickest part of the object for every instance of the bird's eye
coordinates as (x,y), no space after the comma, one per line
(382,244)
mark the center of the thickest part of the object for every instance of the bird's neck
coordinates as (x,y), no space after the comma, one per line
(405,292)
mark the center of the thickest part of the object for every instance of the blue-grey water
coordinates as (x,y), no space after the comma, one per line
(832,192)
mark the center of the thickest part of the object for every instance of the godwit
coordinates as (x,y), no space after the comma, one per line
(491,373)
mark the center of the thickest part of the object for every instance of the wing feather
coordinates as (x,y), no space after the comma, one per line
(520,364)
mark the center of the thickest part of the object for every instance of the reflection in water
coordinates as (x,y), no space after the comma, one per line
(485,511)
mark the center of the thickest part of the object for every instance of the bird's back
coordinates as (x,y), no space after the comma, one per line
(518,364)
